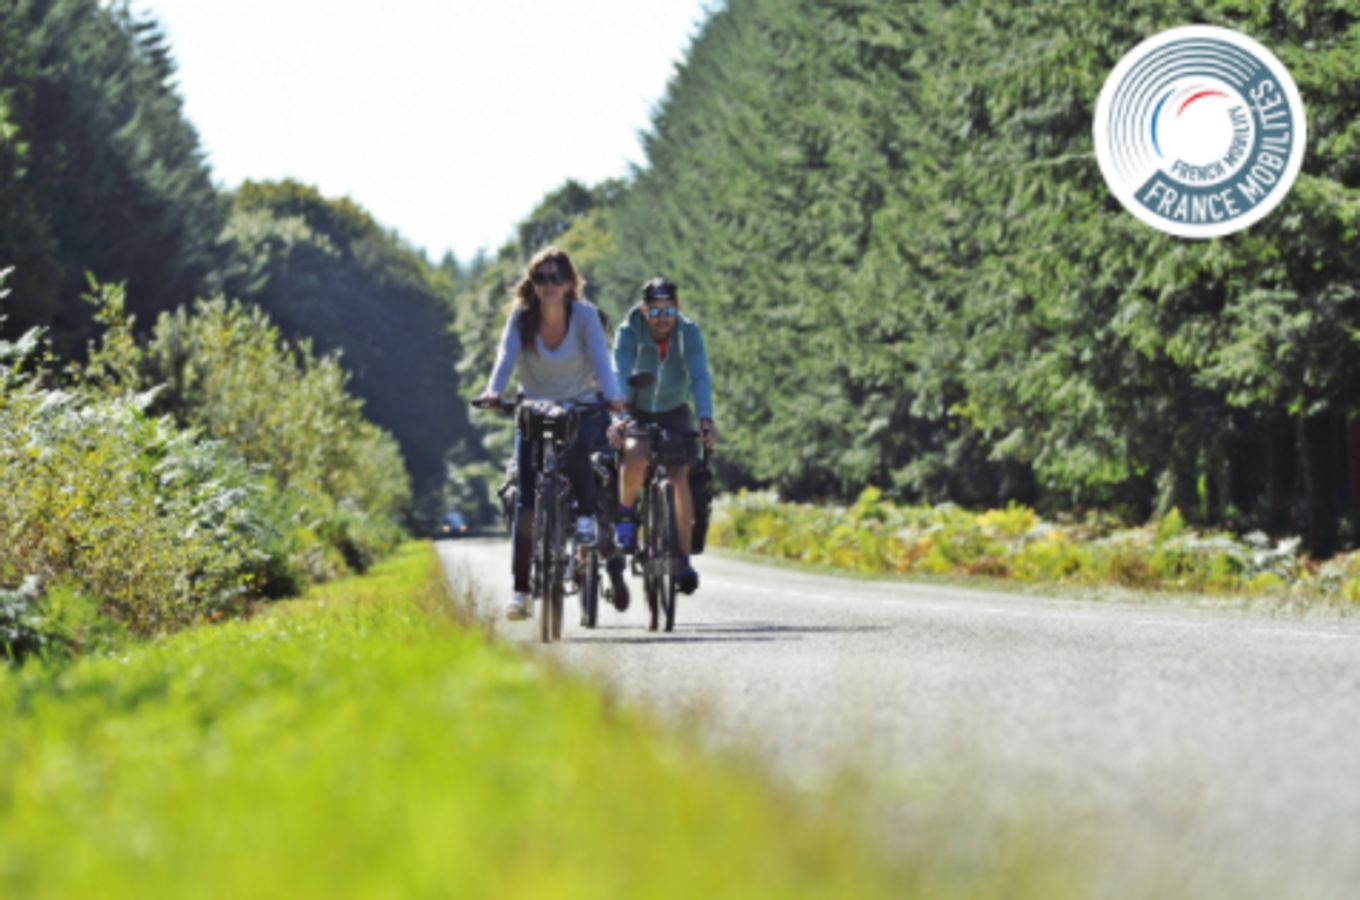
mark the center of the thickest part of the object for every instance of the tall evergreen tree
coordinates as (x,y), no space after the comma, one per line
(110,163)
(891,219)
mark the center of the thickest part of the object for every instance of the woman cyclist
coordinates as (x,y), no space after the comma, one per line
(554,339)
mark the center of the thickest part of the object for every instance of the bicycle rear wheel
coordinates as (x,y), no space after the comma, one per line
(651,581)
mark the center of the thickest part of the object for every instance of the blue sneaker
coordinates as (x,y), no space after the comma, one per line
(687,580)
(625,536)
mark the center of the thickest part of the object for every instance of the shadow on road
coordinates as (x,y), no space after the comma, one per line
(721,632)
(673,638)
(777,628)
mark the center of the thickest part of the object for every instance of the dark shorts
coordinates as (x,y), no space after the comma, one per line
(681,451)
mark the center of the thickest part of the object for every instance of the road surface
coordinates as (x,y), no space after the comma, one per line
(1216,751)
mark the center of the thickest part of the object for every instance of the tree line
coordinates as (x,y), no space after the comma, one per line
(911,274)
(888,217)
(101,174)
(207,398)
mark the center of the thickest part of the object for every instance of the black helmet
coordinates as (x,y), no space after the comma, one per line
(660,289)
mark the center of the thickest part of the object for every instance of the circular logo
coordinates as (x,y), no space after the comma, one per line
(1199,131)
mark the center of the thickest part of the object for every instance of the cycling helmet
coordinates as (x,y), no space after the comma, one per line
(660,289)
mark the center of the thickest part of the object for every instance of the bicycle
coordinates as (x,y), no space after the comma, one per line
(550,427)
(657,558)
(590,560)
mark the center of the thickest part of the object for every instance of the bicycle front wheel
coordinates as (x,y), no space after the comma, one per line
(543,530)
(590,588)
(651,553)
(559,554)
(669,541)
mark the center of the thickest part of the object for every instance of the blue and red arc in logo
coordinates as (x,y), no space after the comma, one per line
(1195,94)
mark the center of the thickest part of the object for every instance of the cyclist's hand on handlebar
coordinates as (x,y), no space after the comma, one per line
(708,433)
(617,433)
(492,401)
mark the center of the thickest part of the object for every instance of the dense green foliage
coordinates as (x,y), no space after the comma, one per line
(326,271)
(229,373)
(356,745)
(266,478)
(879,537)
(99,170)
(890,221)
(101,173)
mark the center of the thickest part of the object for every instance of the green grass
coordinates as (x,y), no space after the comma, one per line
(361,743)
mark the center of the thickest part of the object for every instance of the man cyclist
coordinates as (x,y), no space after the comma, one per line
(656,339)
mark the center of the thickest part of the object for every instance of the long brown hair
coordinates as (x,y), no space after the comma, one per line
(525,299)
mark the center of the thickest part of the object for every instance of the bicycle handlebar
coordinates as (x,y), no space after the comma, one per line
(500,404)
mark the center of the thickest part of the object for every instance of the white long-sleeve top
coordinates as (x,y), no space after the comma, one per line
(577,370)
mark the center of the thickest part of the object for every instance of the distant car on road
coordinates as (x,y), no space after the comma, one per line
(452,525)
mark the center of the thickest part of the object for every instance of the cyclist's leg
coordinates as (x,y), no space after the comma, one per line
(680,421)
(575,460)
(631,476)
(684,508)
(576,463)
(635,451)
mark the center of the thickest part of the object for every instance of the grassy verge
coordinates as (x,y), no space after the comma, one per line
(359,743)
(1013,546)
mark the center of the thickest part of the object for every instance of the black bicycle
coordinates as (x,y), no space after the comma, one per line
(657,558)
(549,427)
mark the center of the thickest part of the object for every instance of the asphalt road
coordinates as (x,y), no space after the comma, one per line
(1218,752)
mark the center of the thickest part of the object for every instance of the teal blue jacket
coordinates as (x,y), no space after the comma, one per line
(682,375)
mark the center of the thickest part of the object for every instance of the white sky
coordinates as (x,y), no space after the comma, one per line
(447,120)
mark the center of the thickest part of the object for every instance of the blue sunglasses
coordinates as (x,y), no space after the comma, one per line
(662,312)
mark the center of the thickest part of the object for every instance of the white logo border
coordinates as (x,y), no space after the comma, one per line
(1126,193)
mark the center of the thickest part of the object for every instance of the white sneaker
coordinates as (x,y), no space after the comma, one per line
(518,607)
(586,533)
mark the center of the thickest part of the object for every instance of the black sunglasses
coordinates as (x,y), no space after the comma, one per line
(553,277)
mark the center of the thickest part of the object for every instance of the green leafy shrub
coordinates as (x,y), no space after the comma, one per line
(133,510)
(54,623)
(228,372)
(270,479)
(21,629)
(872,535)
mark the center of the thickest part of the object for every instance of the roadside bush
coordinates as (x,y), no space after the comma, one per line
(267,479)
(871,535)
(55,623)
(228,372)
(21,629)
(128,507)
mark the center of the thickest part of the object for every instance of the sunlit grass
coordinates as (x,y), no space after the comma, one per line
(360,743)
